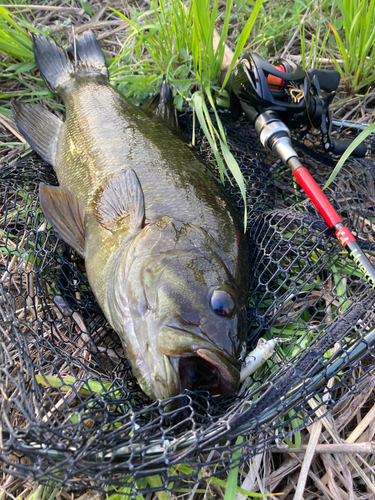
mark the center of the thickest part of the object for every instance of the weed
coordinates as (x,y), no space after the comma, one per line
(356,44)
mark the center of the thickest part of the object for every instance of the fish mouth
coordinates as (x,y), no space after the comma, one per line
(197,364)
(209,371)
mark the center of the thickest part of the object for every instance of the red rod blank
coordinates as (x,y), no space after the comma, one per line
(313,191)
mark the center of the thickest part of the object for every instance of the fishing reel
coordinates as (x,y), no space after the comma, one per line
(278,98)
(288,93)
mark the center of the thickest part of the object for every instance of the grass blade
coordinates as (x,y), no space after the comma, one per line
(243,38)
(231,489)
(357,141)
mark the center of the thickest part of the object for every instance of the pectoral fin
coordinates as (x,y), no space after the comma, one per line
(66,213)
(39,127)
(120,199)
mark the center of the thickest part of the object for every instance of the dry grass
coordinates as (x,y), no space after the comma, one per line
(336,458)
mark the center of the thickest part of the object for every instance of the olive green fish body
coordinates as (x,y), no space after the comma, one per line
(104,133)
(163,249)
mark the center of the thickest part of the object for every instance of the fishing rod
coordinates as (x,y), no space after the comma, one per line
(278,98)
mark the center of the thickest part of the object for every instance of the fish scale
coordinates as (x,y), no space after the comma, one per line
(164,251)
(129,136)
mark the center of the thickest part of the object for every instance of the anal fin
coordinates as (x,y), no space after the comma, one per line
(120,198)
(66,213)
(39,127)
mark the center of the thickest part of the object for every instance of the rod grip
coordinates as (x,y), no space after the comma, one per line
(339,146)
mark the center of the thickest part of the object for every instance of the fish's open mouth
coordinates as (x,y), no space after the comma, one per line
(206,371)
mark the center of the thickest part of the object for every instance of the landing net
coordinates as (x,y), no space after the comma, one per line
(72,413)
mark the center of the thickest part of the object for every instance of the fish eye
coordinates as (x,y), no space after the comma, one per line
(222,303)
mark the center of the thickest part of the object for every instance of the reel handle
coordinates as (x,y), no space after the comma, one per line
(328,80)
(339,146)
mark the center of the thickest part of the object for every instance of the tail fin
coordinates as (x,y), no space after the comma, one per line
(88,53)
(57,65)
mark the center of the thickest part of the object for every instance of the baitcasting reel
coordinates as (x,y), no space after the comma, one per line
(277,98)
(294,94)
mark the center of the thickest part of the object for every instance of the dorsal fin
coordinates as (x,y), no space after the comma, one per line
(39,127)
(161,109)
(119,198)
(66,213)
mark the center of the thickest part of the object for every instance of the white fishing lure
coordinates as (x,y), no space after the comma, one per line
(256,358)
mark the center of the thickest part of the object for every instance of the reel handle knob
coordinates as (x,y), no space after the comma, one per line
(338,148)
(328,80)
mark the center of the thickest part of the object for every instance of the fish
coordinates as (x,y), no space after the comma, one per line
(164,249)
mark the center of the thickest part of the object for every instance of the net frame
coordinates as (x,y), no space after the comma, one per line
(98,429)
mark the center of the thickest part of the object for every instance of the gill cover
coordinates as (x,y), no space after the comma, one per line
(160,299)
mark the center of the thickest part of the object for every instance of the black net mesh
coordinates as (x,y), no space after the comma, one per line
(72,412)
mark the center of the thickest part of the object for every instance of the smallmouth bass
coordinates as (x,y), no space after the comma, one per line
(164,251)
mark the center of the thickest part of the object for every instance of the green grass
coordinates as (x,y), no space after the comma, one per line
(355,43)
(356,142)
(229,486)
(179,43)
(171,39)
(312,50)
(176,40)
(19,65)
